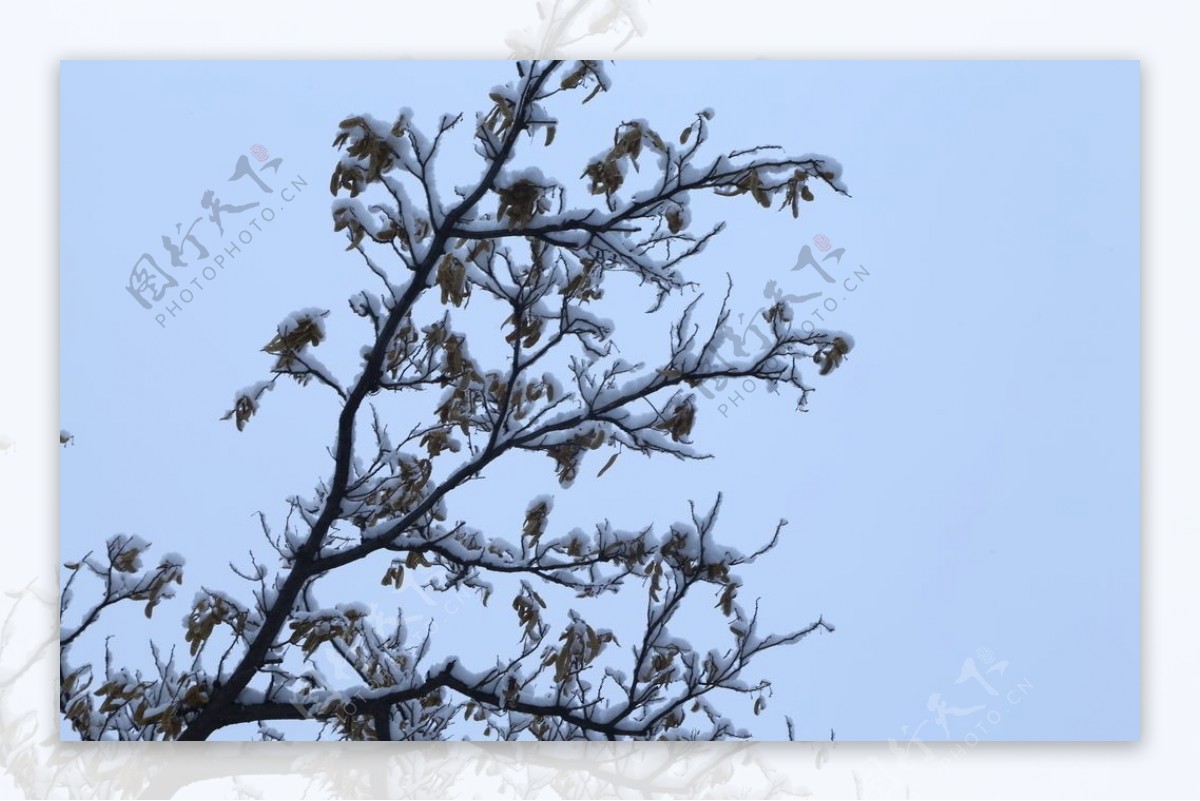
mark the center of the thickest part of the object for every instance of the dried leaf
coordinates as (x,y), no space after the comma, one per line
(608,464)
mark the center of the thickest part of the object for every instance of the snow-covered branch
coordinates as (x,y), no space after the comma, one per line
(507,245)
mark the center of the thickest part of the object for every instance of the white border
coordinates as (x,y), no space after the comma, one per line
(1161,765)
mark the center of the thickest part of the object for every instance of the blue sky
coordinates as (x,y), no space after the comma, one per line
(966,488)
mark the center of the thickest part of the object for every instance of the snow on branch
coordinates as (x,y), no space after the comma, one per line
(549,380)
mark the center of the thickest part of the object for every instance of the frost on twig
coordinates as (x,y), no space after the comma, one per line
(509,244)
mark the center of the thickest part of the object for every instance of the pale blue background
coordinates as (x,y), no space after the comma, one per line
(968,481)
